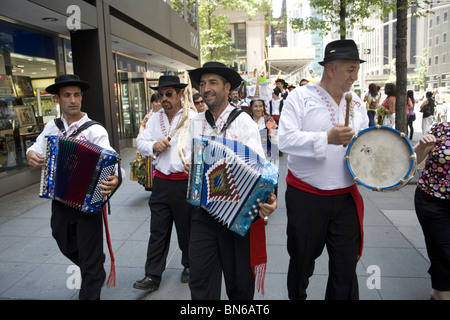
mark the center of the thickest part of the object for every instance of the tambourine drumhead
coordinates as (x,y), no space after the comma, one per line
(380,158)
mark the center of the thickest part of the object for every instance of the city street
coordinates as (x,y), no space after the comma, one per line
(393,265)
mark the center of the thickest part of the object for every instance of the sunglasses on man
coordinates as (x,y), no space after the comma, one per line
(168,94)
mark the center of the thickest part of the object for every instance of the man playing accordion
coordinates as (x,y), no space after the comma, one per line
(213,247)
(79,235)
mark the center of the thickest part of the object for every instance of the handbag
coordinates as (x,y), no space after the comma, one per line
(137,170)
(426,110)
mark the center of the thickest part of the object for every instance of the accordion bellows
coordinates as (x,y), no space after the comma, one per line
(72,171)
(229,180)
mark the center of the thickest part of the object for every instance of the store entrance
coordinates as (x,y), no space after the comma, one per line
(133,102)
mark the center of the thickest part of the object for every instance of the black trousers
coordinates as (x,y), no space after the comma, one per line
(215,249)
(79,236)
(167,205)
(409,126)
(434,218)
(314,222)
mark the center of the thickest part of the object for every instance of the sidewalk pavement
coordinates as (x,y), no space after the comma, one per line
(32,267)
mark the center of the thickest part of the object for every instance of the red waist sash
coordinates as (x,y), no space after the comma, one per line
(172,176)
(297,183)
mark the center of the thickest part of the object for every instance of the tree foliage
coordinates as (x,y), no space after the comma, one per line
(421,70)
(215,42)
(349,14)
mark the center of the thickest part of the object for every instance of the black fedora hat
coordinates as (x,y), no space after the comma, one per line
(341,49)
(219,68)
(169,81)
(66,80)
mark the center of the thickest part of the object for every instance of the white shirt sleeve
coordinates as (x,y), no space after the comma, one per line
(293,139)
(146,140)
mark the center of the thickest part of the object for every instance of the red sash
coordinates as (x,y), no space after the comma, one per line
(297,183)
(258,253)
(172,176)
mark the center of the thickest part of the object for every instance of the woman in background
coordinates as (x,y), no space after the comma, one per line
(389,104)
(427,109)
(372,100)
(410,115)
(264,121)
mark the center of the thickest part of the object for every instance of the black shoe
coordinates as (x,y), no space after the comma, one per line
(146,284)
(185,275)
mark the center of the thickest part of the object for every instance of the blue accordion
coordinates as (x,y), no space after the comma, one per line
(229,180)
(72,171)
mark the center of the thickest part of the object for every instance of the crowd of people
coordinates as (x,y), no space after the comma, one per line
(324,208)
(382,112)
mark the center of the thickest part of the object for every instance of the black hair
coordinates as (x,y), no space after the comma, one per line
(196,96)
(410,94)
(389,89)
(373,89)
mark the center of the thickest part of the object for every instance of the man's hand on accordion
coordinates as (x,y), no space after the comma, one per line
(269,206)
(109,186)
(35,159)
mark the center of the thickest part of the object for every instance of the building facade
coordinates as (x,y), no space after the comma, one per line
(121,49)
(378,48)
(427,39)
(438,44)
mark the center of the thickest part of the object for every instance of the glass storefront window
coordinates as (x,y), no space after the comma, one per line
(27,67)
(68,55)
(134,78)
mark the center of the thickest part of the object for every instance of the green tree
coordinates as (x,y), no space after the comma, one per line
(351,13)
(215,42)
(421,70)
(401,65)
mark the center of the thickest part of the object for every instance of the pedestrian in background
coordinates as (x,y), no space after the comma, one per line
(389,104)
(372,100)
(282,85)
(199,103)
(267,128)
(427,109)
(155,105)
(234,99)
(410,114)
(276,105)
(303,82)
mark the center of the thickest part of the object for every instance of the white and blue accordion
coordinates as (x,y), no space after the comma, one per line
(73,170)
(229,180)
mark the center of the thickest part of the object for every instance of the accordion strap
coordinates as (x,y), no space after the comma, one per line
(233,115)
(84,126)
